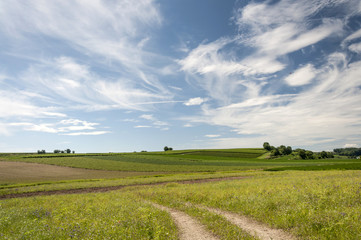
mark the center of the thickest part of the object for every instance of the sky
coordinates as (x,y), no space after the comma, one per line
(124,76)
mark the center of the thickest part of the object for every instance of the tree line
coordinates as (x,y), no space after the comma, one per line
(57,151)
(301,153)
(350,152)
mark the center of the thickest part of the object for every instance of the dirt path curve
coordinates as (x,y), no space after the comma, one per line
(111,188)
(254,228)
(189,229)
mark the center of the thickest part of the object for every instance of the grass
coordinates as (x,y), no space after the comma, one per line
(342,166)
(115,215)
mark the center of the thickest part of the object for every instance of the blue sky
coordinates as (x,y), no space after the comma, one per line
(114,76)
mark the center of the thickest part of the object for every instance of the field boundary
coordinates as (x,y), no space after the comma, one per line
(111,188)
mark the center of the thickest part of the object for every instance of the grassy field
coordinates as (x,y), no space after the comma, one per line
(312,205)
(315,205)
(312,199)
(177,161)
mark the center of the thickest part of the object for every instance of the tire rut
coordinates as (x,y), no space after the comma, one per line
(251,226)
(189,229)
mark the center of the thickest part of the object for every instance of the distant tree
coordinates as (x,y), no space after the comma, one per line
(302,153)
(56,151)
(282,149)
(267,146)
(170,149)
(323,154)
(41,151)
(73,151)
(166,148)
(309,155)
(68,150)
(62,151)
(288,150)
(275,152)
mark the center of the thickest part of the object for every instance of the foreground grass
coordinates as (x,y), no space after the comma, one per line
(115,215)
(311,205)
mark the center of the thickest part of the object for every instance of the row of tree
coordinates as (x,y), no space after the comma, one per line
(57,151)
(166,148)
(63,151)
(277,151)
(301,153)
(350,152)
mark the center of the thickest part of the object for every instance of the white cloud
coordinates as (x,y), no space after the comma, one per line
(112,29)
(212,135)
(64,127)
(142,126)
(147,116)
(195,101)
(65,81)
(95,133)
(156,123)
(356,47)
(301,76)
(350,145)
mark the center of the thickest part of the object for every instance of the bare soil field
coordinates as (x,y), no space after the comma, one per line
(14,172)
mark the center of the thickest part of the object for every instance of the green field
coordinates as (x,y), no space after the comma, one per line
(310,199)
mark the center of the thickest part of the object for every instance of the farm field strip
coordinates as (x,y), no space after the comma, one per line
(25,172)
(111,188)
(115,183)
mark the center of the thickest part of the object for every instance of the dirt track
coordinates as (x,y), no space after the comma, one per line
(106,189)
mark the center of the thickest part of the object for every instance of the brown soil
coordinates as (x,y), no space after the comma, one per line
(14,172)
(106,189)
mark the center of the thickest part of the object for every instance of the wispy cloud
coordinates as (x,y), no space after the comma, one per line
(301,76)
(195,101)
(212,135)
(71,127)
(155,122)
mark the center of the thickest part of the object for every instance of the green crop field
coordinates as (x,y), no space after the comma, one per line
(310,199)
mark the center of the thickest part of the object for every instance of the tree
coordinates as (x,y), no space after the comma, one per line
(309,155)
(275,152)
(166,148)
(282,150)
(267,146)
(41,151)
(170,149)
(302,153)
(288,150)
(68,151)
(323,154)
